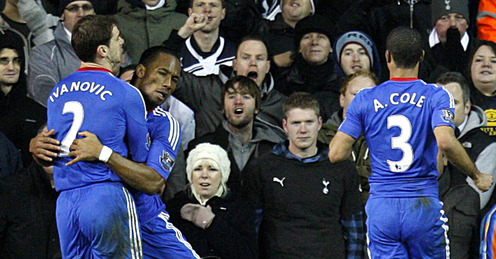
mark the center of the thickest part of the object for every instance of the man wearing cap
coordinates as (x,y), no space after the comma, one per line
(355,51)
(449,41)
(313,68)
(55,60)
(281,30)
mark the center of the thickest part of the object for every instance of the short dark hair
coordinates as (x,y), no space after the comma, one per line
(253,37)
(301,100)
(481,43)
(89,33)
(455,77)
(149,55)
(20,55)
(222,2)
(244,84)
(405,45)
(348,79)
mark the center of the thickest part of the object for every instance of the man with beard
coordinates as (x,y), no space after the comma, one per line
(240,134)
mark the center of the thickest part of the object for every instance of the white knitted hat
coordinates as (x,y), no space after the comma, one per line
(214,153)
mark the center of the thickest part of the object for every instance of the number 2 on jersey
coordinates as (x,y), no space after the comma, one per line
(77,109)
(401,142)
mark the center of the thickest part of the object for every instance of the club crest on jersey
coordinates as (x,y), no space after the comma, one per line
(148,141)
(448,116)
(325,183)
(167,161)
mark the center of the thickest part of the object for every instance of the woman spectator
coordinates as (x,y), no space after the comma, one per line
(482,64)
(215,221)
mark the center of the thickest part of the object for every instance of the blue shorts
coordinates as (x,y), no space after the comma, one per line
(406,228)
(162,240)
(98,221)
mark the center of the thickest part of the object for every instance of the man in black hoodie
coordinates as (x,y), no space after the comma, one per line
(20,116)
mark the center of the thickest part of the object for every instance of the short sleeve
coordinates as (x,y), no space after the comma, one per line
(166,137)
(443,106)
(352,124)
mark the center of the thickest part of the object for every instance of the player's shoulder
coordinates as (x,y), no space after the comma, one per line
(432,86)
(160,112)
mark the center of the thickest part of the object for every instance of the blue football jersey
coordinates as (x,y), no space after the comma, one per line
(165,134)
(96,101)
(398,119)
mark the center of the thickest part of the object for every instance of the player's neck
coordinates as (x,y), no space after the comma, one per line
(95,65)
(404,73)
(206,41)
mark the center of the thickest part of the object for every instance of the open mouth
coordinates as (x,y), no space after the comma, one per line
(252,75)
(162,94)
(204,184)
(210,18)
(238,111)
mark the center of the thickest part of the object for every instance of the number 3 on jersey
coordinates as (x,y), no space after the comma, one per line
(77,109)
(401,142)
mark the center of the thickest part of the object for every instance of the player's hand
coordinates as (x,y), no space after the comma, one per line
(484,181)
(194,23)
(44,147)
(85,149)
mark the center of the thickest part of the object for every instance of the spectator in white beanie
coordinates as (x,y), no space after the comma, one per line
(215,159)
(215,221)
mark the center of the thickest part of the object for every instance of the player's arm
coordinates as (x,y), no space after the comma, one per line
(456,154)
(137,175)
(340,147)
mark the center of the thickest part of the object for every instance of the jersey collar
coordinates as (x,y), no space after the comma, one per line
(404,79)
(94,69)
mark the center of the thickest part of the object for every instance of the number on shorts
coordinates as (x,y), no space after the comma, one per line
(401,142)
(77,109)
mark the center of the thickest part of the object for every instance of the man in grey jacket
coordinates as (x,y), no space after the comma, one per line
(468,120)
(55,60)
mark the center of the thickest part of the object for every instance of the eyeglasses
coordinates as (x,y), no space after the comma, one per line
(6,61)
(75,8)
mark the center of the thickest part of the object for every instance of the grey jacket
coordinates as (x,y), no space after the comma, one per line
(50,63)
(486,161)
